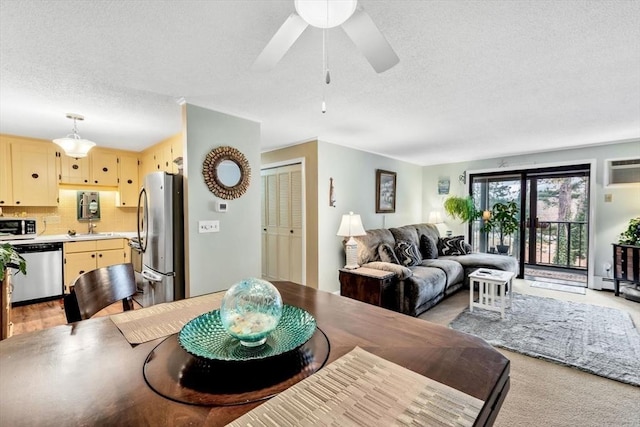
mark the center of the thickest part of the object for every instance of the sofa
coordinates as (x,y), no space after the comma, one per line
(427,267)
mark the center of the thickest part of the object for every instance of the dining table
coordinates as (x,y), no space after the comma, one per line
(87,373)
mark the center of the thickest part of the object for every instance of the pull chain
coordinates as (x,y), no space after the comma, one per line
(325,62)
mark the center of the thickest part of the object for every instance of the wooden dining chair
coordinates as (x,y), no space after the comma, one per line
(94,290)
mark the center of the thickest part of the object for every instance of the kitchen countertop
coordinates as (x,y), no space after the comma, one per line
(66,238)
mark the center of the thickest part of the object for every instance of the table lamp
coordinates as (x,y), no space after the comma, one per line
(435,218)
(350,226)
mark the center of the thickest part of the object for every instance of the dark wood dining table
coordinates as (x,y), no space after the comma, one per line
(87,373)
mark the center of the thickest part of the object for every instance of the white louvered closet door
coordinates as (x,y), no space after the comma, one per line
(282,223)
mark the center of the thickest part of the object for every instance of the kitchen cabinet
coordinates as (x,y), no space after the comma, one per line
(104,167)
(6,195)
(34,173)
(128,184)
(160,156)
(100,167)
(87,255)
(74,171)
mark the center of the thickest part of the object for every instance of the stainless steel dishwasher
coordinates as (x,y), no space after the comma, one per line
(44,278)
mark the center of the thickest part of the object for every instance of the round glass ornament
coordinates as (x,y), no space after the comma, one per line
(250,310)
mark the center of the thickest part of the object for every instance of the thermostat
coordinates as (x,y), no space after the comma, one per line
(222,206)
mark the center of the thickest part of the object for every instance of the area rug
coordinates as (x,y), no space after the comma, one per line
(595,339)
(557,287)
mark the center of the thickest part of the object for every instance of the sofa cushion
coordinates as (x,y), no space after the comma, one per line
(452,269)
(387,254)
(481,260)
(427,230)
(428,247)
(368,244)
(425,286)
(408,253)
(408,233)
(401,271)
(452,246)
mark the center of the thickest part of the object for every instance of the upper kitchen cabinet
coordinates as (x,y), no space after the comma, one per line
(74,171)
(104,167)
(128,184)
(100,167)
(33,179)
(161,156)
(5,173)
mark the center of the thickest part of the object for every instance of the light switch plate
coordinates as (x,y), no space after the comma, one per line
(211,226)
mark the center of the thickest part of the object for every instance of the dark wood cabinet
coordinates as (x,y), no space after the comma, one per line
(626,266)
(369,285)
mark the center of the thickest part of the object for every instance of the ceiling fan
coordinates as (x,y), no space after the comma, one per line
(328,14)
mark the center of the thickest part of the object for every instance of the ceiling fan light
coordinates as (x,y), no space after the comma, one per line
(315,11)
(74,146)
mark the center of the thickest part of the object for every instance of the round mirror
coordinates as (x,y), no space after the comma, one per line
(229,173)
(226,172)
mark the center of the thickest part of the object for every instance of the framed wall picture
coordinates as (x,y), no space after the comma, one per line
(385,191)
(443,185)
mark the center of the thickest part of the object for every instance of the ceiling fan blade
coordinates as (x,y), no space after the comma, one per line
(367,37)
(280,43)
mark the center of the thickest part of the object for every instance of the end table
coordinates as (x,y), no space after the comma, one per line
(369,285)
(494,286)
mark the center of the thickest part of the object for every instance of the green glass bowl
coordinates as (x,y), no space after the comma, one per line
(206,337)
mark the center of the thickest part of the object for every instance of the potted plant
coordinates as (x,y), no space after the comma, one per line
(504,220)
(631,236)
(9,257)
(461,208)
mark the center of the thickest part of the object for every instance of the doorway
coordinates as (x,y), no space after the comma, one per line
(552,242)
(282,223)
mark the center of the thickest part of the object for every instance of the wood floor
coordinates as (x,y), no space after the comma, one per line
(34,317)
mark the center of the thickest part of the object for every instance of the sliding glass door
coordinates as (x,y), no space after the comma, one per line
(553,206)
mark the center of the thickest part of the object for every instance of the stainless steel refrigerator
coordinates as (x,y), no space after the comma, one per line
(161,237)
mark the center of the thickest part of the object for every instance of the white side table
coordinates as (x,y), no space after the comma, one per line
(494,289)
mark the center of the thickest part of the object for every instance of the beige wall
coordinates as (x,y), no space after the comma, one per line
(112,218)
(353,172)
(309,152)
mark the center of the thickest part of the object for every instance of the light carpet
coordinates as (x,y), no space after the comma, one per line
(595,339)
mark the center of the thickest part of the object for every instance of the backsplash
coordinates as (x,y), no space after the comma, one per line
(111,217)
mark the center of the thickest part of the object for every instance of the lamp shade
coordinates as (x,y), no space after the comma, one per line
(72,144)
(435,217)
(325,14)
(351,225)
(75,147)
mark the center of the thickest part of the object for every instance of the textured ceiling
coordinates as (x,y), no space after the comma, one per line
(476,79)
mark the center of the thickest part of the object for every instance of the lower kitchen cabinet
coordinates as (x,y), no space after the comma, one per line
(87,255)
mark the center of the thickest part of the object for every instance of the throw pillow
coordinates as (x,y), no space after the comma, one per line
(386,254)
(452,246)
(428,247)
(408,253)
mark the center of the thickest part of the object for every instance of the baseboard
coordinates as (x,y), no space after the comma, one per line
(603,283)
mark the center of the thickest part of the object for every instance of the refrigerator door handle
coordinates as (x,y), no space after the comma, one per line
(151,276)
(142,226)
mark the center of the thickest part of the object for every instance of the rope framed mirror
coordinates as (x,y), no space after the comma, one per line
(226,172)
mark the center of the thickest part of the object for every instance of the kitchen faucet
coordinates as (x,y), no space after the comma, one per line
(92,226)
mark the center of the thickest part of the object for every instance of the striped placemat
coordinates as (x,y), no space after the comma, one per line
(164,319)
(362,389)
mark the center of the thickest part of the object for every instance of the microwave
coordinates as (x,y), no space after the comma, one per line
(17,228)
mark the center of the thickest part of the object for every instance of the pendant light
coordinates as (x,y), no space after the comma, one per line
(72,144)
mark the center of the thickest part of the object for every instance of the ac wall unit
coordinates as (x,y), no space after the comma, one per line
(622,172)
